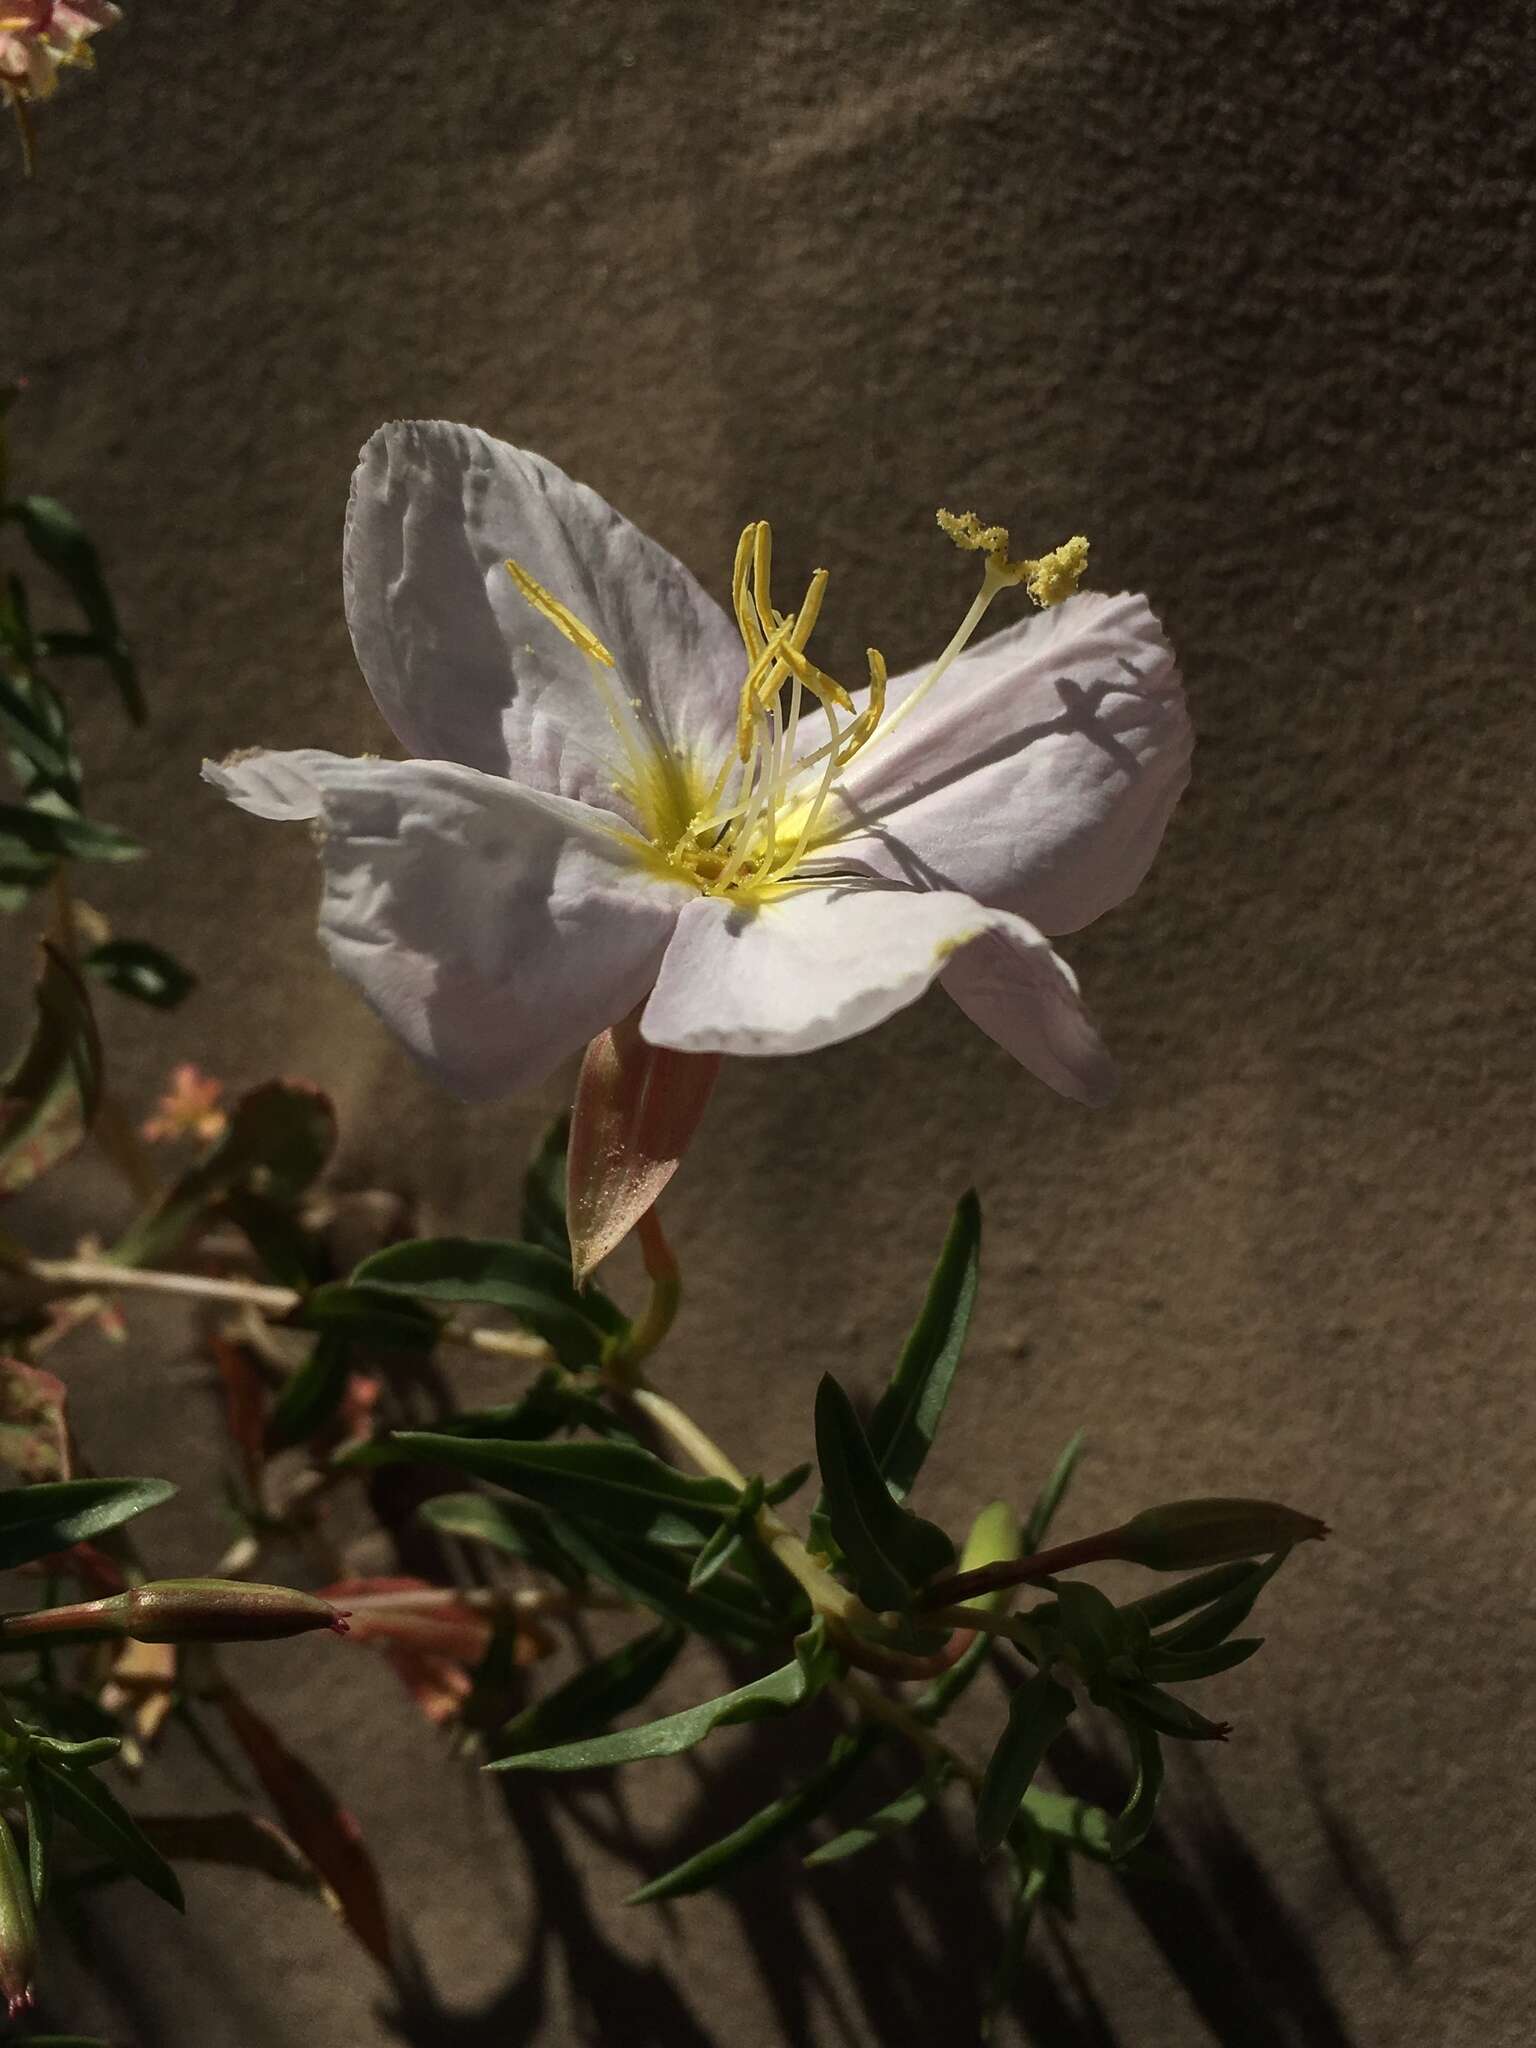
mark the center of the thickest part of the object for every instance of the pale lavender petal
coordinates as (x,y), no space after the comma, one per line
(1024,995)
(495,928)
(461,665)
(1037,775)
(820,964)
(284,787)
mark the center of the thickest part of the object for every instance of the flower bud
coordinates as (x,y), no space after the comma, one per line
(1187,1534)
(996,1537)
(186,1611)
(18,1927)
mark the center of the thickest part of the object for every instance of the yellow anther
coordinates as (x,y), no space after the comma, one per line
(746,622)
(559,615)
(747,710)
(762,577)
(827,688)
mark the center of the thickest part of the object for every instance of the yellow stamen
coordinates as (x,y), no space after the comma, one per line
(559,616)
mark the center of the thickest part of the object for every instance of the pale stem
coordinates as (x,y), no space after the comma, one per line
(880,1706)
(827,1596)
(101,1276)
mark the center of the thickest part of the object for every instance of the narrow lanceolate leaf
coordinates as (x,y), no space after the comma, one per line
(510,1526)
(585,1704)
(530,1283)
(767,1827)
(82,1802)
(311,1398)
(777,1693)
(1051,1495)
(325,1832)
(1037,1713)
(35,1521)
(1133,1823)
(59,831)
(280,1137)
(58,540)
(890,1551)
(49,1097)
(1164,1712)
(135,968)
(27,729)
(38,1808)
(367,1315)
(1226,1612)
(1171,1602)
(725,1610)
(721,1547)
(907,1415)
(621,1485)
(1077,1823)
(893,1818)
(1183,1667)
(1091,1623)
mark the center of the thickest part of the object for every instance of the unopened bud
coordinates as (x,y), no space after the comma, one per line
(996,1537)
(1187,1534)
(186,1611)
(18,1927)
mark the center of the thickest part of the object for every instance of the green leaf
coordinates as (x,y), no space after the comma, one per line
(543,1218)
(60,832)
(726,1610)
(135,968)
(777,1693)
(767,1827)
(620,1485)
(86,1805)
(367,1315)
(781,1490)
(531,1283)
(586,1703)
(721,1547)
(1228,1611)
(28,728)
(1151,1707)
(279,1139)
(59,541)
(1183,1667)
(1090,1622)
(907,1415)
(1077,1823)
(1133,1823)
(49,1098)
(509,1526)
(35,1521)
(1037,1713)
(891,1819)
(890,1551)
(1051,1495)
(1166,1605)
(310,1399)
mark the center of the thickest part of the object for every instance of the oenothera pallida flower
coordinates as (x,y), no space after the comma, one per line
(36,38)
(623,799)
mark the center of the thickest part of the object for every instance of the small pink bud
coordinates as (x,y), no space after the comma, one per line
(1187,1534)
(18,1927)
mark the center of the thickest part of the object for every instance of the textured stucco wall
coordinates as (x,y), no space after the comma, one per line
(1244,292)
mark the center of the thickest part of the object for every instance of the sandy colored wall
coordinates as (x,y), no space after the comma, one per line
(1244,292)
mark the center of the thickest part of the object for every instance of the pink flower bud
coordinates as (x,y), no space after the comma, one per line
(18,1927)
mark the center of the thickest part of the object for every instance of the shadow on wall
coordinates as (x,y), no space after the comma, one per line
(1228,1941)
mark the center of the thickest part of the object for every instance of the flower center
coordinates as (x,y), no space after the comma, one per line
(746,832)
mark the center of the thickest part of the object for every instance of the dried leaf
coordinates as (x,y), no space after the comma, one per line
(34,1437)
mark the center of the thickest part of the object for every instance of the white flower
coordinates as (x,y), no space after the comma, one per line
(619,796)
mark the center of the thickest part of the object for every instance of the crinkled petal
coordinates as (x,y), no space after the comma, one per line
(1038,773)
(820,964)
(495,928)
(1024,995)
(464,668)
